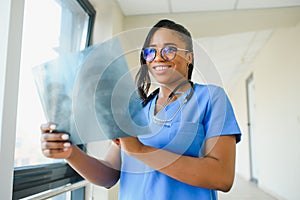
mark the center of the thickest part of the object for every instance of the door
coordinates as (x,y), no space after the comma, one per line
(254,170)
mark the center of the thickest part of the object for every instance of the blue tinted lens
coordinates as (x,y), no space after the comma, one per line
(168,53)
(149,54)
(170,49)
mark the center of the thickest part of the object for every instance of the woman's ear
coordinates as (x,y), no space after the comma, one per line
(190,56)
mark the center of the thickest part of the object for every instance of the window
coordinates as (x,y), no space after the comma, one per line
(51,28)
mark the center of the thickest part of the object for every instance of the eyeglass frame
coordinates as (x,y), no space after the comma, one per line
(161,52)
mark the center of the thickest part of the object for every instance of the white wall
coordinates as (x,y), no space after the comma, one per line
(11,22)
(4,21)
(276,73)
(108,22)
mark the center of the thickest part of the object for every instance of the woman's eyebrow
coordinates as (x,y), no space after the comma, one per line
(172,44)
(165,44)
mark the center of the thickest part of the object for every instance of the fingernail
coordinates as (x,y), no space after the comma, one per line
(65,149)
(65,136)
(67,144)
(52,126)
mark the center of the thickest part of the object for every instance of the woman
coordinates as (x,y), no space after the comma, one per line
(191,153)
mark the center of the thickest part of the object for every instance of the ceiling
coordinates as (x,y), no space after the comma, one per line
(142,7)
(232,54)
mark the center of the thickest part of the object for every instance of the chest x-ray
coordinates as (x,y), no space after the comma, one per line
(91,95)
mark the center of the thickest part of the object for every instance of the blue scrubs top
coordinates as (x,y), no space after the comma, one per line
(207,114)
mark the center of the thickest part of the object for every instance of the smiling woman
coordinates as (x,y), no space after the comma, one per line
(193,131)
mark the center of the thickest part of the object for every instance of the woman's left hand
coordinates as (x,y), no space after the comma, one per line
(131,145)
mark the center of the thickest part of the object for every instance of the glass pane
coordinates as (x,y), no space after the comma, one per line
(51,29)
(64,196)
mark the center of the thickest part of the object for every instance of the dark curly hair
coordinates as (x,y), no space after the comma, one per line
(142,78)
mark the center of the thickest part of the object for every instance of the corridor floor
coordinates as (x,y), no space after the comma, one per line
(245,190)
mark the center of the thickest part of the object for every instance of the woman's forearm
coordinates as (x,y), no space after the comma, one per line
(96,171)
(206,172)
(214,171)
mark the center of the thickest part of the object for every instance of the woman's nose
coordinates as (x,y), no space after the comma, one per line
(159,56)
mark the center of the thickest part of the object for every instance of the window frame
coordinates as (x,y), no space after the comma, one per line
(36,179)
(30,180)
(89,9)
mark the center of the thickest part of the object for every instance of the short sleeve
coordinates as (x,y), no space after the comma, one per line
(219,118)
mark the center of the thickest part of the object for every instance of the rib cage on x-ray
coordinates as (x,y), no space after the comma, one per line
(91,94)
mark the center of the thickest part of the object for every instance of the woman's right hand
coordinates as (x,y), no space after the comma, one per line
(55,145)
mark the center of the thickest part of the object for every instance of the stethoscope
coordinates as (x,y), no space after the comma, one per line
(157,120)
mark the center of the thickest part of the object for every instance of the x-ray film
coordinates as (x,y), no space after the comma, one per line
(91,95)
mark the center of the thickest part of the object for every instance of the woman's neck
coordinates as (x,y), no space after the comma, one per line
(165,90)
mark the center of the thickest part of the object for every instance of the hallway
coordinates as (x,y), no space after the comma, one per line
(245,190)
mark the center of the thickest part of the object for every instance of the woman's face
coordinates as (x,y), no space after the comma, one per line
(176,70)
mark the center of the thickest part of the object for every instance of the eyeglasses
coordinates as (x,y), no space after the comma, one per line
(168,53)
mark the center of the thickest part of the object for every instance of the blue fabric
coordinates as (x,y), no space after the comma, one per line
(207,114)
